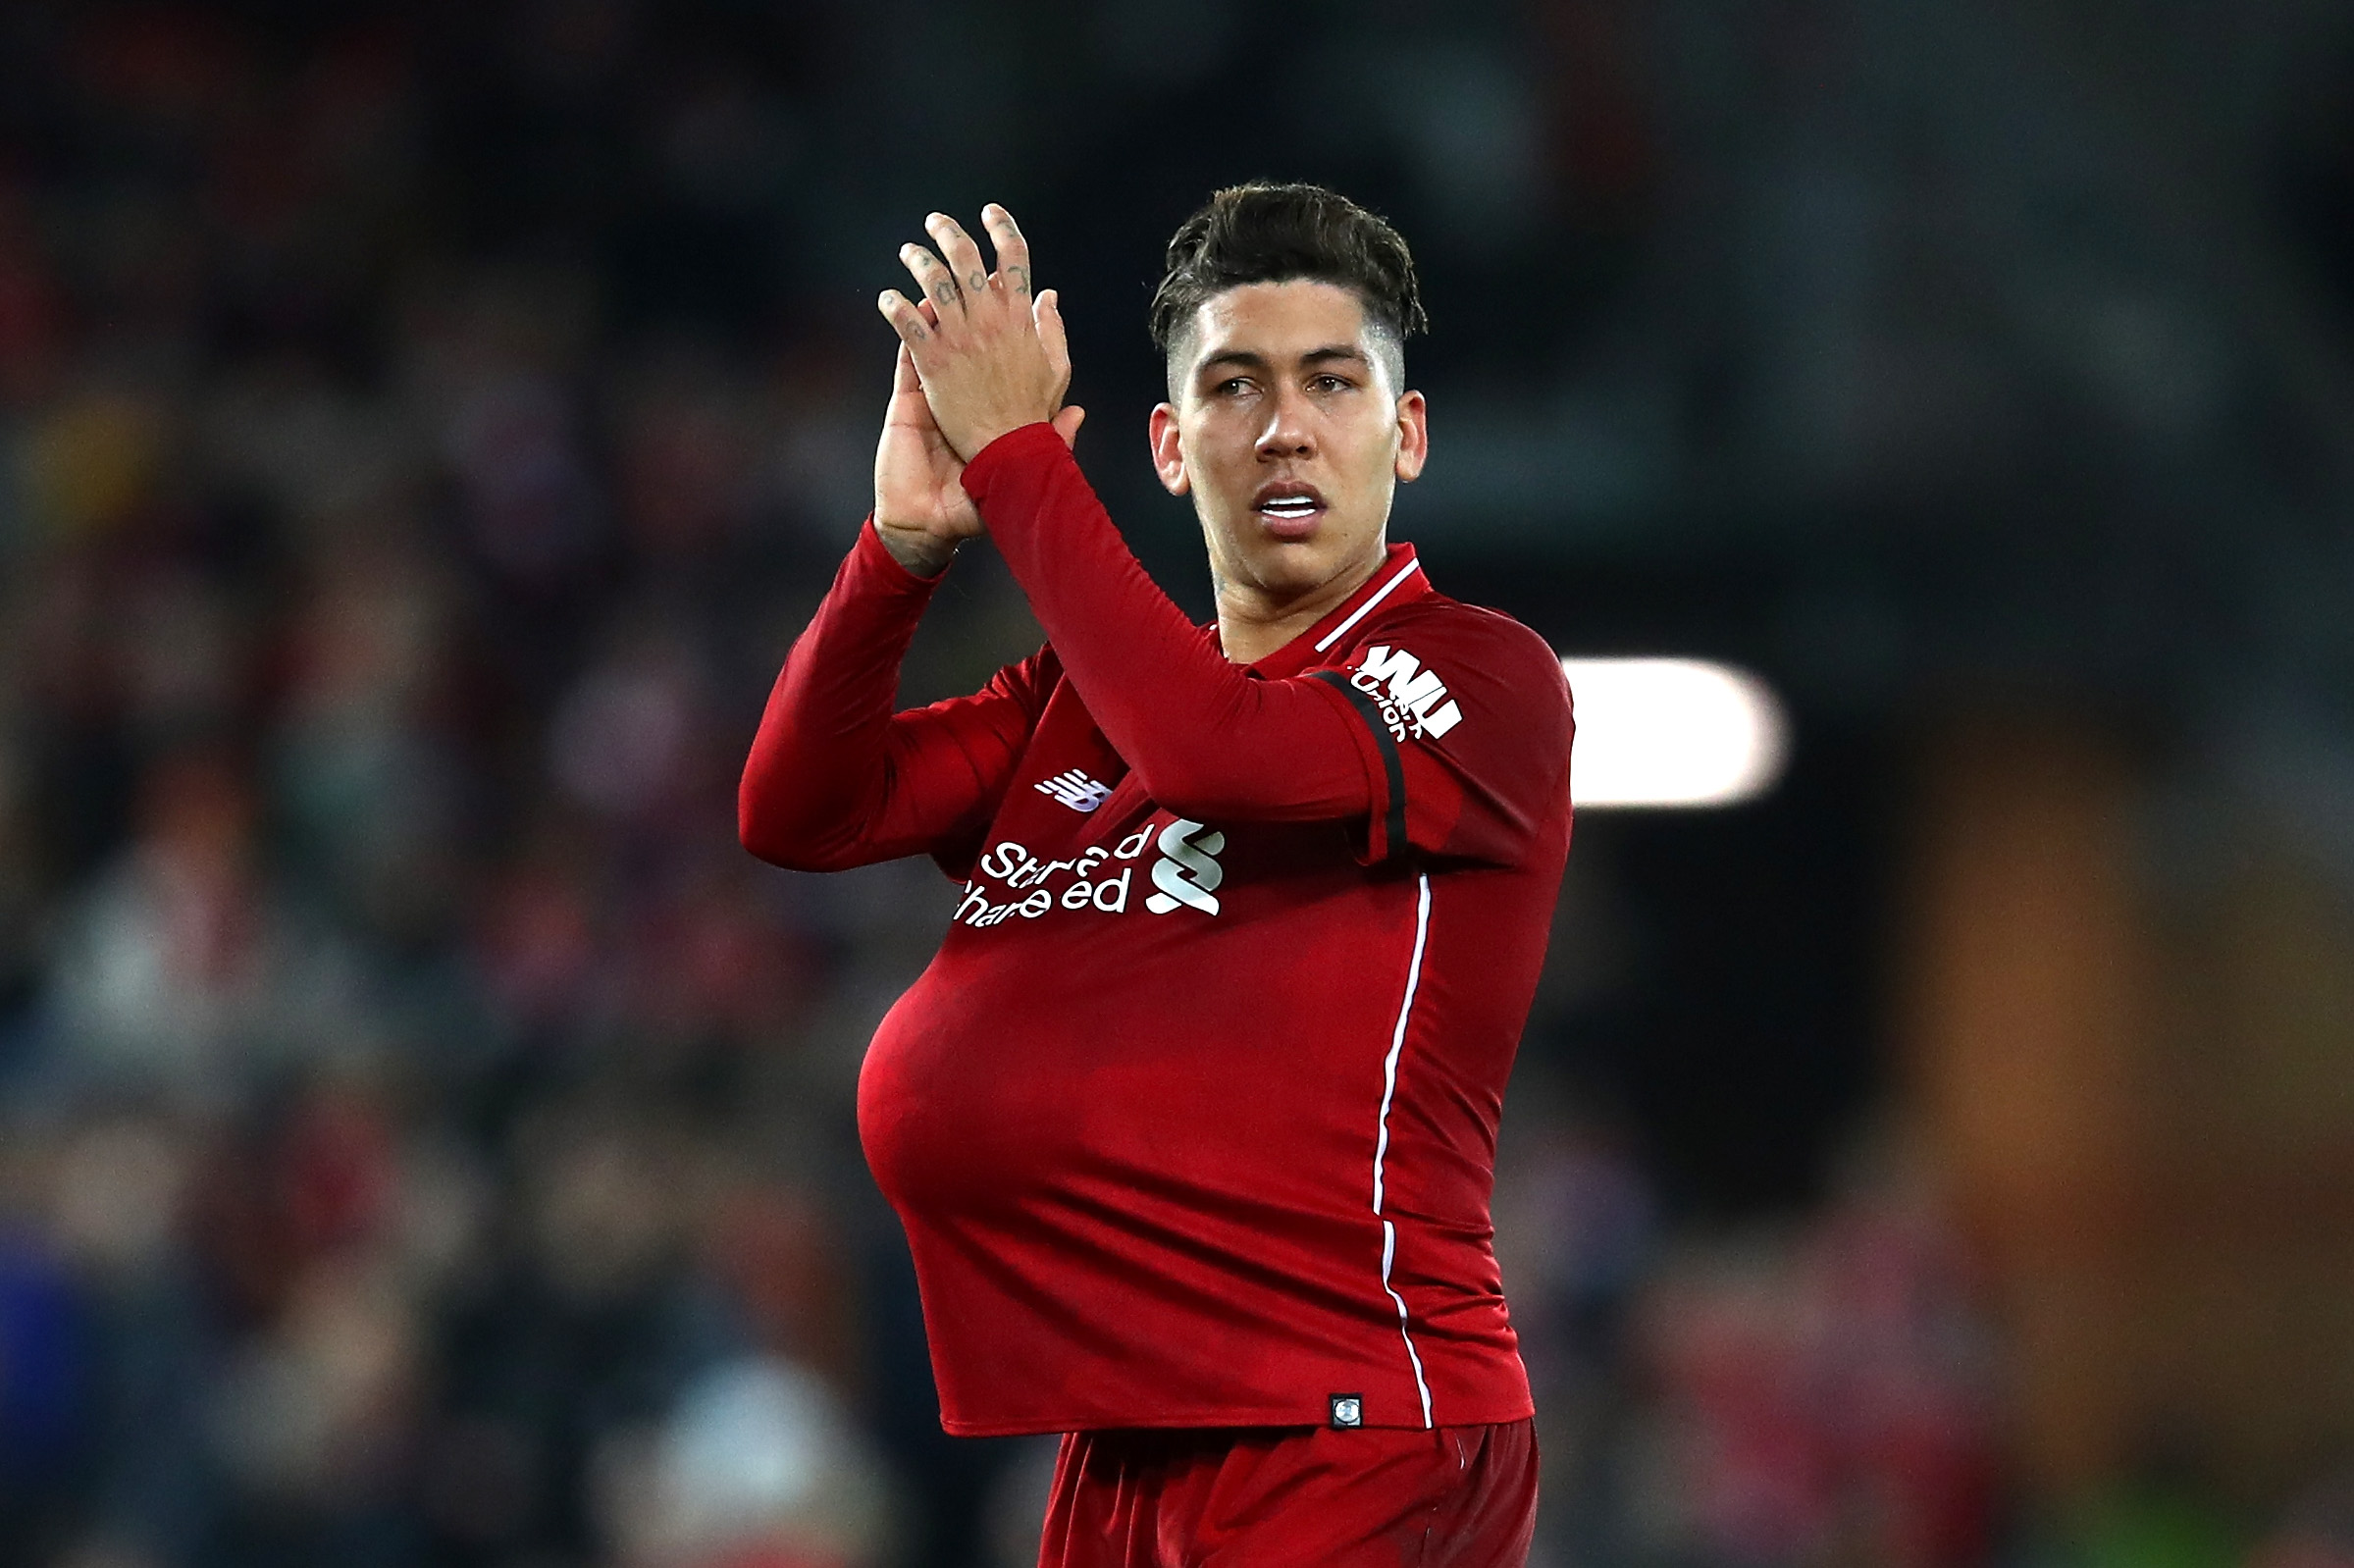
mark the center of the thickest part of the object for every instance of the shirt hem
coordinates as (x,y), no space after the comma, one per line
(1098,1421)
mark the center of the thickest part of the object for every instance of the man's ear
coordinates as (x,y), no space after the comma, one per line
(1168,457)
(1413,437)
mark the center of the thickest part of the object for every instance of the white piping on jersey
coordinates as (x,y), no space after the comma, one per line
(1380,1142)
(1366,609)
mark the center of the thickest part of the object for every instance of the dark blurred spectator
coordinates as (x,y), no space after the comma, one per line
(1824,1394)
(585,1329)
(130,1330)
(183,972)
(1577,1233)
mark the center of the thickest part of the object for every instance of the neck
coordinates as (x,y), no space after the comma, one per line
(1253,621)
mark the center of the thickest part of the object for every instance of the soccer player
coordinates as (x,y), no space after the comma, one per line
(1191,1123)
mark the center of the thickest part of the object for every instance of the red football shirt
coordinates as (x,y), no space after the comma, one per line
(1192,1119)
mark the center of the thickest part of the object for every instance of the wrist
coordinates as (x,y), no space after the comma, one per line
(973,440)
(921,554)
(1034,442)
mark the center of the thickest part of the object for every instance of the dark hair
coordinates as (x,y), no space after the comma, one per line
(1266,233)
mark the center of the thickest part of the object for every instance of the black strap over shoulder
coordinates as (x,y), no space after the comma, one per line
(1393,824)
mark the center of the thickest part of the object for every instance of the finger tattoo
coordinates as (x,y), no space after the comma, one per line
(1020,275)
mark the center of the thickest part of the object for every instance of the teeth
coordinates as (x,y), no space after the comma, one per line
(1290,505)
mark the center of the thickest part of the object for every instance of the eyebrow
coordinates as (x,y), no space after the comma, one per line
(1245,359)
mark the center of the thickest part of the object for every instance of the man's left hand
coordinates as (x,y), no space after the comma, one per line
(992,358)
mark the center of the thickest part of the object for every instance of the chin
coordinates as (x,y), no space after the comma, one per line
(1295,565)
(1286,567)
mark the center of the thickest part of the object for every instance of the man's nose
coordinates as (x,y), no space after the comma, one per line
(1289,431)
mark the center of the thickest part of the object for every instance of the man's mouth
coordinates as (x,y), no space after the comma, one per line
(1290,511)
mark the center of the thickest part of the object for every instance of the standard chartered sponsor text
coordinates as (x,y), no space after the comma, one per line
(1100,879)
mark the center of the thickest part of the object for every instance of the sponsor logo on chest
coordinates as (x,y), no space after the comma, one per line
(1185,875)
(1412,700)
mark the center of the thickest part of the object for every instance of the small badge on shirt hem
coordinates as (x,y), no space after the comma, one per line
(1348,1411)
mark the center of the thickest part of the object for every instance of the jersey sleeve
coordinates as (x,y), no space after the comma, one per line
(1207,738)
(836,779)
(1464,728)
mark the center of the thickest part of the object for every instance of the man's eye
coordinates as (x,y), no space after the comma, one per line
(1326,383)
(1228,388)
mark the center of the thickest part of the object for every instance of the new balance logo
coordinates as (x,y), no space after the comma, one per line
(1184,854)
(1413,701)
(1076,790)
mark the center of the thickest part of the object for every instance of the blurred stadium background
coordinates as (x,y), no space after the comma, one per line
(426,1138)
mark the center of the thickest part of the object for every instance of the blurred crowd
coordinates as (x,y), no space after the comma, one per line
(425,1136)
(425,1129)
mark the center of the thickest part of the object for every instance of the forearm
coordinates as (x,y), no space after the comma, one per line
(1205,738)
(820,772)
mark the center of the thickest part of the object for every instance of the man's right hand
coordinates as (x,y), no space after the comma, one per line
(922,512)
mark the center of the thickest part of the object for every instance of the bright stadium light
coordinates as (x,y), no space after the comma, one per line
(1678,732)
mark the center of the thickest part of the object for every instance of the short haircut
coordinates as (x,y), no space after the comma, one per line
(1270,233)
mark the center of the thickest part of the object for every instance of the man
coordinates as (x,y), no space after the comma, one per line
(1191,1123)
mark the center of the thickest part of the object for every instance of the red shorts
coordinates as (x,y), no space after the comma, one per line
(1294,1497)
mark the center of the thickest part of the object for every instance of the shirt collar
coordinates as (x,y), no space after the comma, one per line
(1397,580)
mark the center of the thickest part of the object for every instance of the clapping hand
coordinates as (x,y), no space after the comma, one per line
(978,356)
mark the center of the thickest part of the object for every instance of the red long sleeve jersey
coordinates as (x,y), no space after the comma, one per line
(1192,1119)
